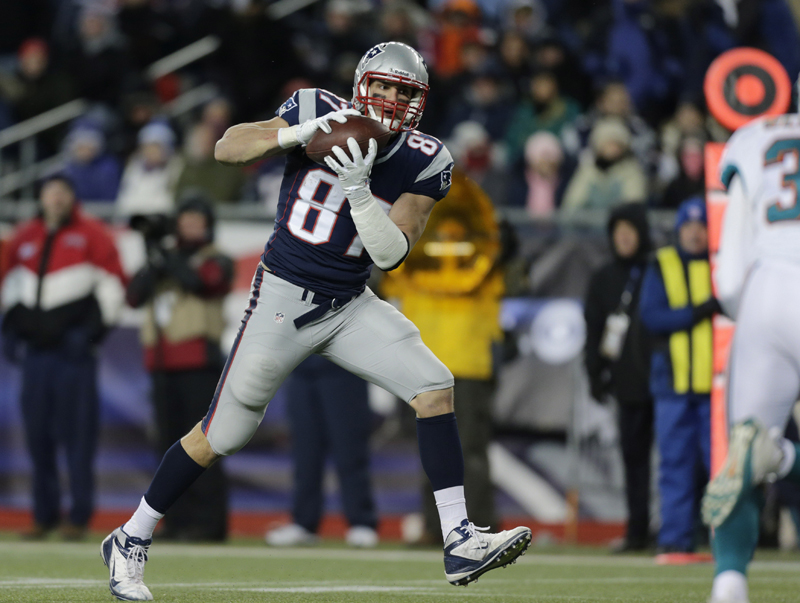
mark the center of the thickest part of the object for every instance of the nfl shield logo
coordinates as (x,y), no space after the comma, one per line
(279,316)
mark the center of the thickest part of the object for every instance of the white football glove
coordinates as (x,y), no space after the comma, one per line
(303,133)
(354,174)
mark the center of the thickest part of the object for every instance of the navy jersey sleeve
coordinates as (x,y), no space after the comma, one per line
(309,103)
(436,173)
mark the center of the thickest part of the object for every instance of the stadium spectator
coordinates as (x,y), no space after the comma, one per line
(688,121)
(94,172)
(217,116)
(328,413)
(615,101)
(181,289)
(706,36)
(515,61)
(150,177)
(691,175)
(485,101)
(450,287)
(676,306)
(551,53)
(544,174)
(35,87)
(53,330)
(644,50)
(149,33)
(527,18)
(544,109)
(617,354)
(20,21)
(402,21)
(482,161)
(252,73)
(139,108)
(609,174)
(459,23)
(99,60)
(201,171)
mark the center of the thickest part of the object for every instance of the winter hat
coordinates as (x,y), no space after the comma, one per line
(543,146)
(85,131)
(691,210)
(610,129)
(636,215)
(32,44)
(158,132)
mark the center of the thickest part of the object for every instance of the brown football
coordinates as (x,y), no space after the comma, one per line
(357,126)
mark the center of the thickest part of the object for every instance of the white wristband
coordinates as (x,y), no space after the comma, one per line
(386,244)
(287,137)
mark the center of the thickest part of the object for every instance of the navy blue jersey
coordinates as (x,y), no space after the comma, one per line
(315,243)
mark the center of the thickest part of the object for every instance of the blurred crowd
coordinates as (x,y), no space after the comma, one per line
(550,105)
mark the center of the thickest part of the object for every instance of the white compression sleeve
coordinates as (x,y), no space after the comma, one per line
(287,137)
(386,244)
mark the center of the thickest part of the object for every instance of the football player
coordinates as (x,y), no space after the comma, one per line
(309,296)
(758,284)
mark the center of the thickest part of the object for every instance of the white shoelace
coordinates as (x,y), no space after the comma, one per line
(135,562)
(475,532)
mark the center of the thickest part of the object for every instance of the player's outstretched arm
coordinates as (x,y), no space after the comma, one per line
(247,143)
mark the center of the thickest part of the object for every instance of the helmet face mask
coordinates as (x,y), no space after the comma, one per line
(398,64)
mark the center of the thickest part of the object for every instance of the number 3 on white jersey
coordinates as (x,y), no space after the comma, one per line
(320,192)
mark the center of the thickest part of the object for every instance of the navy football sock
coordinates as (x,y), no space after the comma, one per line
(173,477)
(440,451)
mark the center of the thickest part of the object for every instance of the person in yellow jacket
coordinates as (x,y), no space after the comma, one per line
(450,287)
(676,306)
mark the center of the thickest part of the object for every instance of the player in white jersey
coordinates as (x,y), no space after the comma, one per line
(758,284)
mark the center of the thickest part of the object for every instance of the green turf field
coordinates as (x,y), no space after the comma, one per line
(248,571)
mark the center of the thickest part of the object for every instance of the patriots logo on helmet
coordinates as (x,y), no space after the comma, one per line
(374,51)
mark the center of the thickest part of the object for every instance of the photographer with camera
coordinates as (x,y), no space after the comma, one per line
(182,289)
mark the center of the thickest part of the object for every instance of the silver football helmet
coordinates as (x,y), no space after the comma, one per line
(397,63)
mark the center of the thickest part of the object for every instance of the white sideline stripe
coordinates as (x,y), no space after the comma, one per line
(350,588)
(530,491)
(14,549)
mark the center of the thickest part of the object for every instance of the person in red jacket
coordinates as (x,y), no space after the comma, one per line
(63,288)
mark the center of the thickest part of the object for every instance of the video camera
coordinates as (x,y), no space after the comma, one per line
(154,227)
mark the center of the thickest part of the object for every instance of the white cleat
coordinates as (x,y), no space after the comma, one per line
(125,557)
(362,537)
(753,458)
(290,535)
(729,587)
(469,552)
